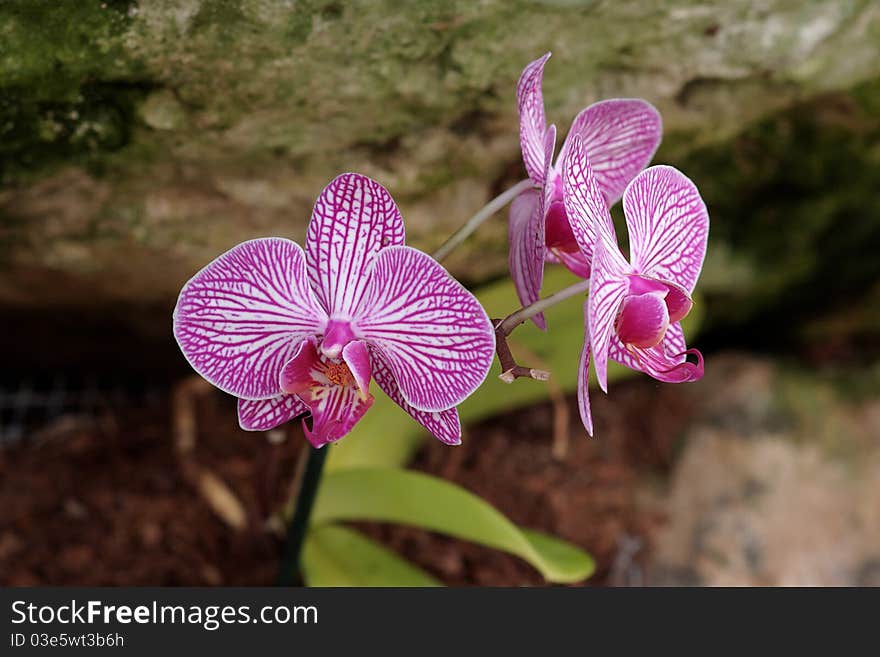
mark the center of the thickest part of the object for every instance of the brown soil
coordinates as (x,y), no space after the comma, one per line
(104,500)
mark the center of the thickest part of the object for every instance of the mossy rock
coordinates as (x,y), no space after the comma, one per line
(139,140)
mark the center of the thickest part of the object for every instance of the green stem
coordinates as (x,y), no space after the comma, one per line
(290,573)
(510,369)
(514,319)
(474,222)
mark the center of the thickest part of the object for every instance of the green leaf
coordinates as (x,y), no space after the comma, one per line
(388,437)
(419,500)
(338,556)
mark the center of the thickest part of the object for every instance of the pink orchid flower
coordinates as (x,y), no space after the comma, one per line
(634,309)
(291,333)
(621,136)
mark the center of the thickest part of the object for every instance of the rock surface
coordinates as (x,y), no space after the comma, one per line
(777,483)
(139,140)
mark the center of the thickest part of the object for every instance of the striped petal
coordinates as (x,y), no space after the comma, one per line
(621,136)
(666,362)
(583,386)
(443,425)
(532,124)
(239,320)
(608,286)
(335,410)
(265,414)
(671,367)
(526,272)
(585,204)
(354,218)
(434,335)
(668,226)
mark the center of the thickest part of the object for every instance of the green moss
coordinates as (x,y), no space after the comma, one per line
(51,46)
(36,135)
(796,196)
(66,86)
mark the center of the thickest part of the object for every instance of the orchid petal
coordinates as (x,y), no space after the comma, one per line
(678,301)
(585,204)
(668,226)
(354,218)
(335,409)
(642,320)
(443,425)
(434,334)
(532,124)
(302,370)
(673,342)
(357,357)
(670,368)
(620,136)
(608,286)
(266,414)
(238,320)
(618,352)
(525,271)
(575,262)
(665,362)
(534,246)
(583,385)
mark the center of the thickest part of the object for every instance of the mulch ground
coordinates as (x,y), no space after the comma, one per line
(105,501)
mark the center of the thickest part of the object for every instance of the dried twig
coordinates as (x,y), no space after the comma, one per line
(216,493)
(510,370)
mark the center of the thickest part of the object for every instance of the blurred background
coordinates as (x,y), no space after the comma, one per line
(138,140)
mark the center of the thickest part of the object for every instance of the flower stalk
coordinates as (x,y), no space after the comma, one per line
(290,572)
(510,370)
(479,218)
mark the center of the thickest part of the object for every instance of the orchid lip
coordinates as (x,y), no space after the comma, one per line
(678,301)
(642,319)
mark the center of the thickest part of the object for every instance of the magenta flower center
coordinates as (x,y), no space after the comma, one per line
(648,309)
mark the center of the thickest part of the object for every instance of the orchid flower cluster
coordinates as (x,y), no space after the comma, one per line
(298,332)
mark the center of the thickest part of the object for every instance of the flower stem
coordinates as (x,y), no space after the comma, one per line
(516,318)
(290,573)
(474,222)
(510,370)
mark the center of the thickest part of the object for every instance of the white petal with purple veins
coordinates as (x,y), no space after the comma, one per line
(532,124)
(443,425)
(239,320)
(434,335)
(583,386)
(354,218)
(585,205)
(668,226)
(523,266)
(620,136)
(265,414)
(608,286)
